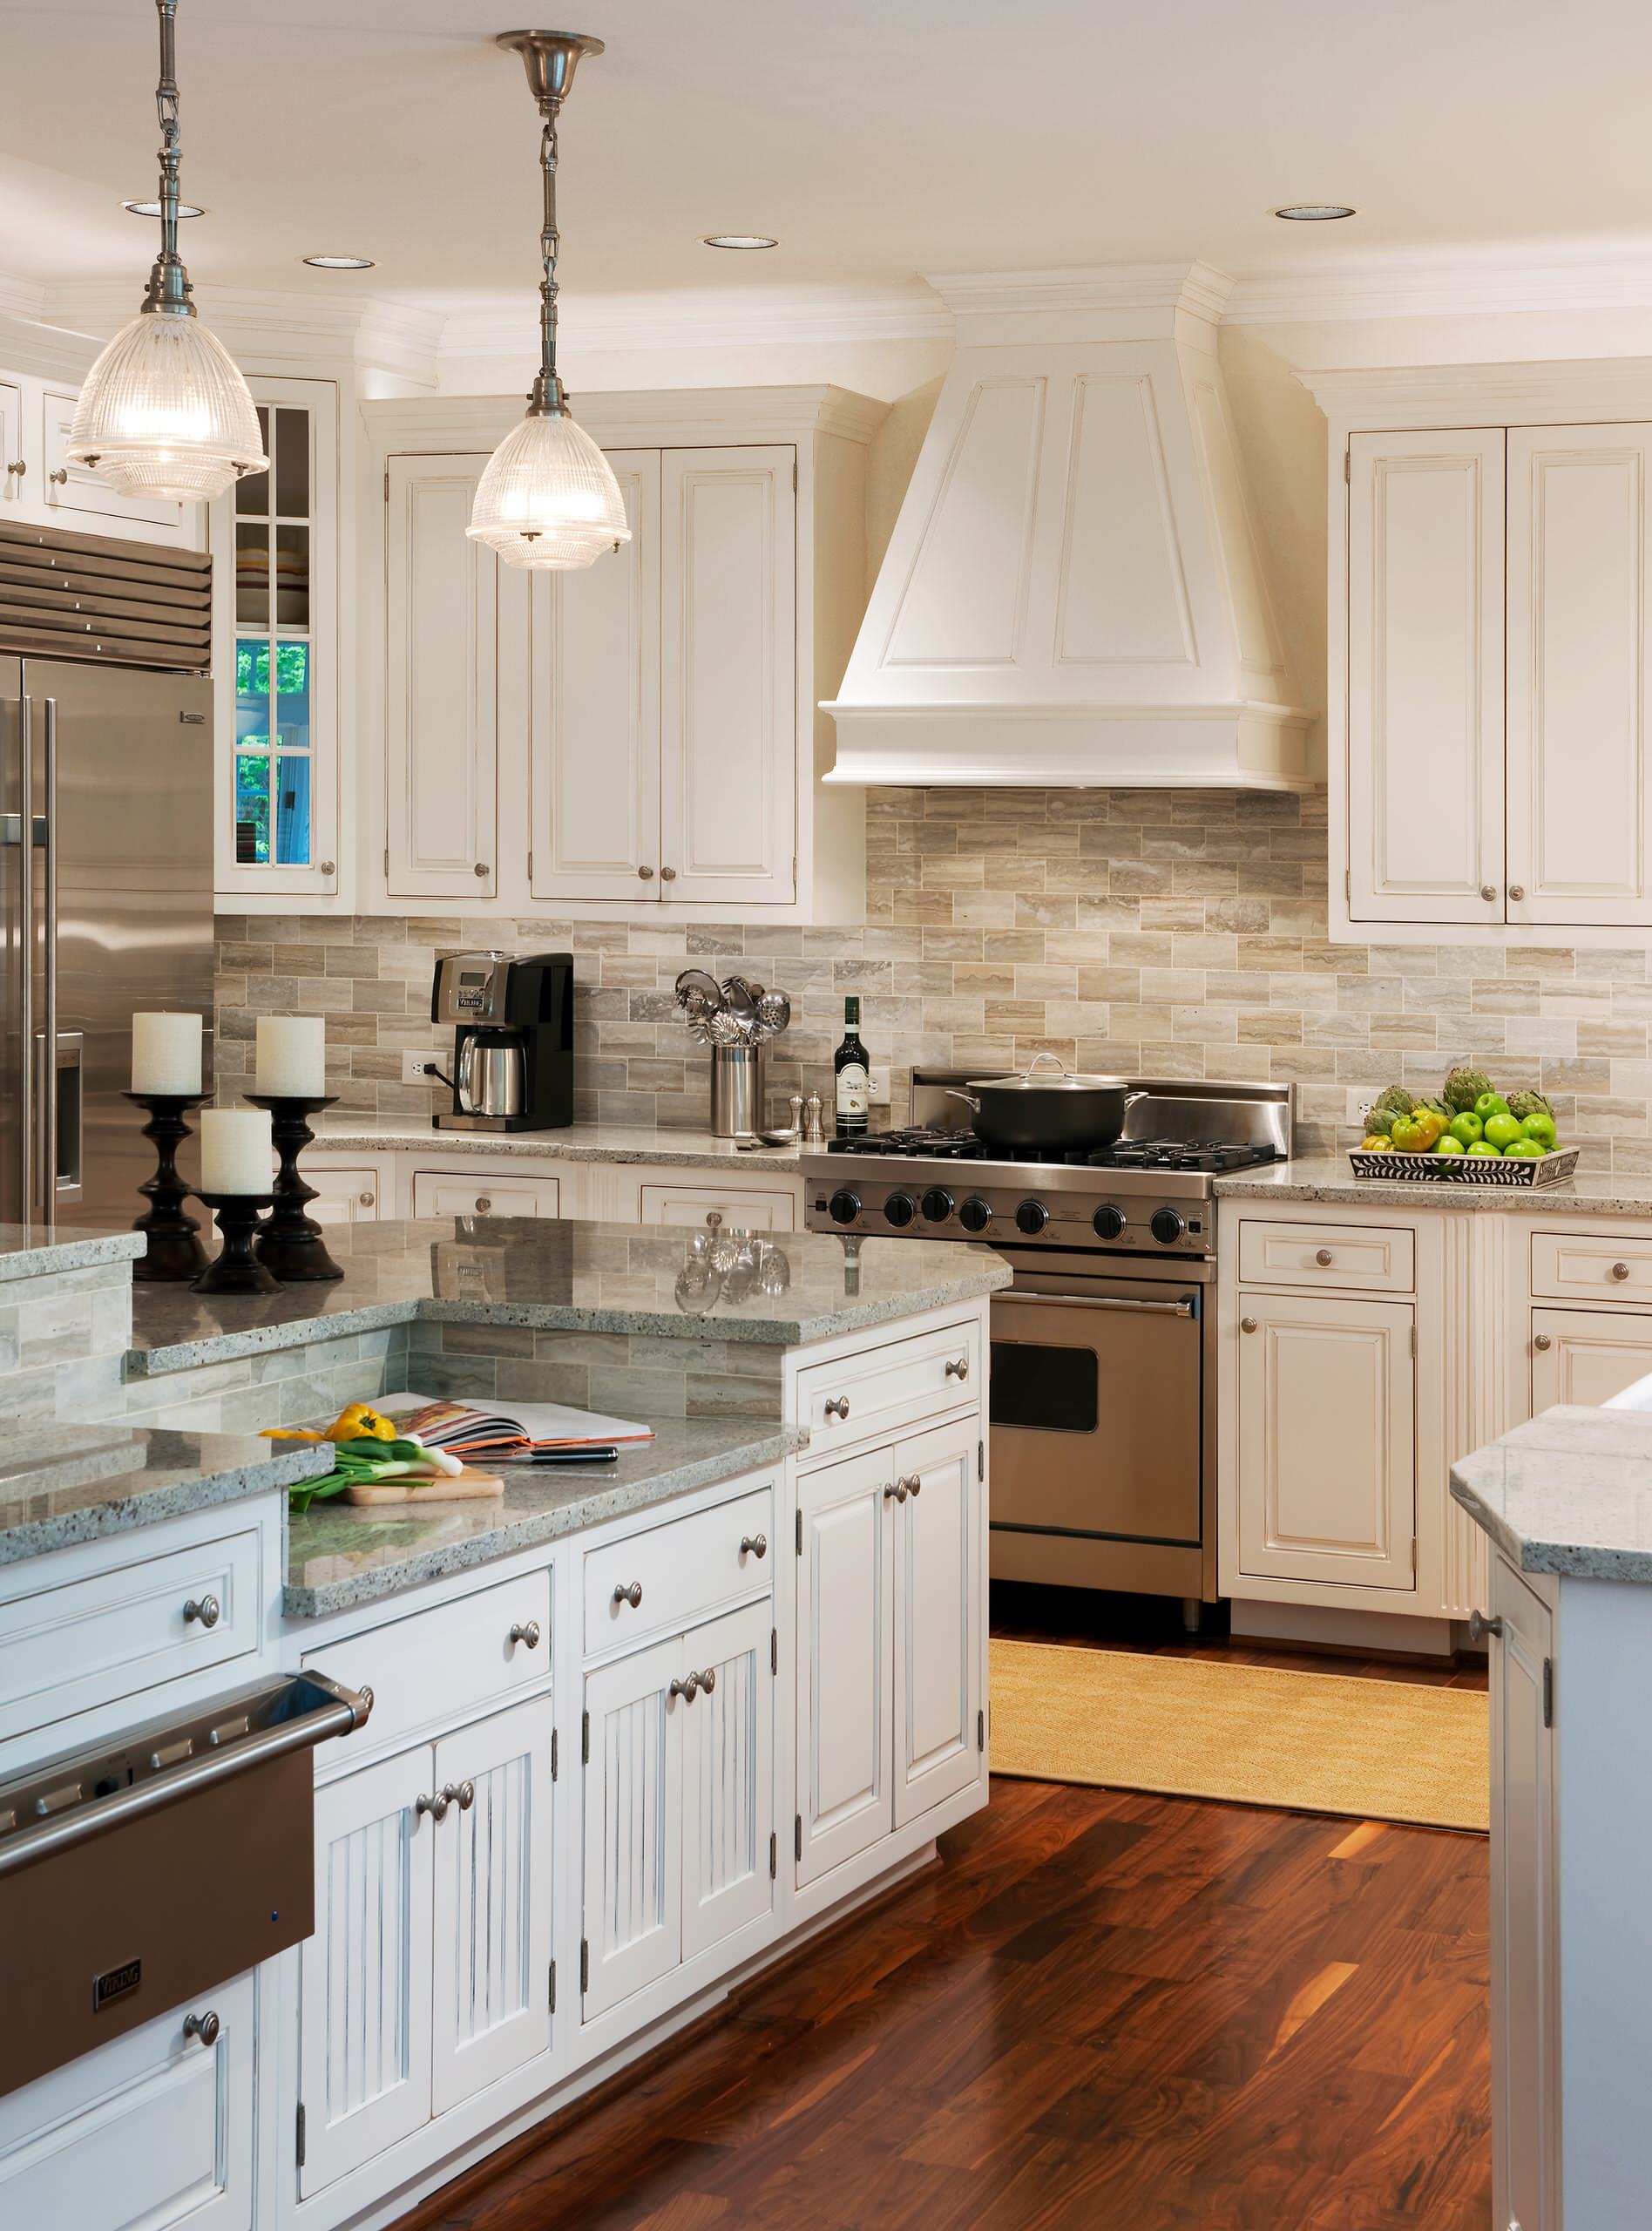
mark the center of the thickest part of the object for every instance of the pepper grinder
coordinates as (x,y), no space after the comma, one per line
(796,1105)
(813,1136)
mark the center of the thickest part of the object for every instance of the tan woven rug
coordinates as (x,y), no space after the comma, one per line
(1194,1727)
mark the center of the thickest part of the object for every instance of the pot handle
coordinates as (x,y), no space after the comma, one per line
(968,1098)
(1047,1056)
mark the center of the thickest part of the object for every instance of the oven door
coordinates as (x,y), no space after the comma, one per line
(1098,1401)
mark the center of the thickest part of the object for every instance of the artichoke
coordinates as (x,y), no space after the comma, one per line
(1394,1102)
(1432,1107)
(1528,1103)
(1463,1087)
(1380,1123)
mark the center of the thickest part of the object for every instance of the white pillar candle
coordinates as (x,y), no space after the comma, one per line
(165,1054)
(236,1152)
(292,1056)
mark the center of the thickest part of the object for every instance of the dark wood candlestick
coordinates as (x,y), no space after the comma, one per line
(291,1243)
(174,1253)
(236,1269)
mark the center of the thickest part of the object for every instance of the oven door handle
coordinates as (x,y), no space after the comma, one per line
(1183,1308)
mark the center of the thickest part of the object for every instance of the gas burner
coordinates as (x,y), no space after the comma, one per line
(920,1143)
(1180,1154)
(916,1139)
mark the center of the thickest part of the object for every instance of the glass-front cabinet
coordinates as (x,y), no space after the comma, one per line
(275,537)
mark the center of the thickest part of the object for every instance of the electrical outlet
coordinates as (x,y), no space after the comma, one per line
(1360,1098)
(413,1065)
(877,1088)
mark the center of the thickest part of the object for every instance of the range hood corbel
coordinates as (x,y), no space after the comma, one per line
(1072,595)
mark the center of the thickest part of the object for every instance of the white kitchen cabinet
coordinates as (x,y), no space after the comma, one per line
(461,1192)
(1587,1355)
(1325,1435)
(937,1692)
(345,1193)
(729,1854)
(440,677)
(715,1204)
(76,491)
(14,466)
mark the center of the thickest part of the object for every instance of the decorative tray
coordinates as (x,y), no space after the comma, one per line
(1393,1168)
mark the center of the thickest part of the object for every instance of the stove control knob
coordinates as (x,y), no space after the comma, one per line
(937,1205)
(1167,1226)
(1030,1217)
(1108,1223)
(843,1207)
(899,1210)
(976,1214)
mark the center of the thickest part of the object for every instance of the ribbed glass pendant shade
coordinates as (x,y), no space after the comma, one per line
(548,497)
(165,412)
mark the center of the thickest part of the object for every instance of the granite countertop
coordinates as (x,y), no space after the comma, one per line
(1327,1177)
(66,1484)
(26,1250)
(339,1556)
(1569,1492)
(558,1274)
(344,1133)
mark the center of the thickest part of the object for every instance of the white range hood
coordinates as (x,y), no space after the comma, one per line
(1072,593)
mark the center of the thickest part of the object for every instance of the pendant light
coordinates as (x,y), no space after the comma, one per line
(547,498)
(165,411)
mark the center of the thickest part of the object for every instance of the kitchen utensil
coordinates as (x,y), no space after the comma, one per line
(465,1486)
(1065,1113)
(696,980)
(774,1012)
(788,1135)
(737,1089)
(737,996)
(813,1136)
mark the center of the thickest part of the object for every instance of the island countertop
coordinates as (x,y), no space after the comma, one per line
(1569,1493)
(557,1274)
(1327,1177)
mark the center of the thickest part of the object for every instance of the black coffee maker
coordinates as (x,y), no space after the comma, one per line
(512,1023)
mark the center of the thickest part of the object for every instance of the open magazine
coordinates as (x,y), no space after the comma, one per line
(495,1435)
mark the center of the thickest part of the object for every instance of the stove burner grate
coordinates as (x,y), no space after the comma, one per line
(921,1142)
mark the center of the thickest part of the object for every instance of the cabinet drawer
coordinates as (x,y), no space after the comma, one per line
(116,1633)
(684,1569)
(1373,1258)
(887,1388)
(344,1195)
(80,489)
(709,1205)
(458,1658)
(465,1193)
(1594,1266)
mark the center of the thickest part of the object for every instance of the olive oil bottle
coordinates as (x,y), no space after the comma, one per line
(852,1075)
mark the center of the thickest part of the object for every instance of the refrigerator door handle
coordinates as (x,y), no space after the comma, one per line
(47,1155)
(25,960)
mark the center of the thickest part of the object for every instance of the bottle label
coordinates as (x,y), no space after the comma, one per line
(853,1086)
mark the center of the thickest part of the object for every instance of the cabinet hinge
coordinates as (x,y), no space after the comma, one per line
(1413,1340)
(797,1838)
(800,1533)
(300,2133)
(773,1650)
(773,1855)
(585,1963)
(387,484)
(794,476)
(585,1740)
(1548,1693)
(1348,886)
(553,1986)
(981,1730)
(980,1460)
(529,867)
(387,864)
(1348,466)
(554,1755)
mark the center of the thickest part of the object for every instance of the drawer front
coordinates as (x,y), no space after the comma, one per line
(683,1569)
(462,1193)
(887,1388)
(116,1633)
(77,488)
(1373,1258)
(708,1205)
(455,1658)
(1594,1266)
(344,1195)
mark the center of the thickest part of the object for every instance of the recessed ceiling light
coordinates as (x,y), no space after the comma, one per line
(338,262)
(152,209)
(738,240)
(1314,213)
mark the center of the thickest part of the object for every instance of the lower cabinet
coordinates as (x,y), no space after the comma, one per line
(747,1209)
(890,1641)
(679,1837)
(463,1193)
(429,1973)
(1326,1440)
(1587,1355)
(152,2130)
(345,1196)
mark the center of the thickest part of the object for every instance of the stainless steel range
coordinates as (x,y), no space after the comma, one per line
(1103,1349)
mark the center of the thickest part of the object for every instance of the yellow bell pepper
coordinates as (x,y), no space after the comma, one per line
(359,1421)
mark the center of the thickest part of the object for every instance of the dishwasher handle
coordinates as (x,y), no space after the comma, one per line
(1181,1308)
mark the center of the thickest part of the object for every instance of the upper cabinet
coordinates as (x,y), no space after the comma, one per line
(643,734)
(1489,611)
(39,487)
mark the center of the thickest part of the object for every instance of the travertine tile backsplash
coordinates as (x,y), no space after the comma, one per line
(1168,933)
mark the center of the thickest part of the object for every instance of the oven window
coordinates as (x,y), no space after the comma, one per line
(1051,1389)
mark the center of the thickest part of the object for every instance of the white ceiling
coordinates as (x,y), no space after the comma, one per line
(878,139)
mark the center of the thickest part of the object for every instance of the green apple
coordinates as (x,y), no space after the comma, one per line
(1525,1151)
(1540,1127)
(1466,1128)
(1484,1146)
(1450,1144)
(1503,1131)
(1490,1104)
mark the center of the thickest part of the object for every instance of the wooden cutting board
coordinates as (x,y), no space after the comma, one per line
(469,1485)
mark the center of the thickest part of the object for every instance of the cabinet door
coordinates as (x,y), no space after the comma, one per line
(633,1825)
(77,490)
(727,1778)
(1580,804)
(845,1659)
(1587,1355)
(343,1196)
(939,1688)
(1327,1458)
(491,1995)
(594,726)
(1426,676)
(716,1205)
(364,2049)
(728,713)
(152,2130)
(466,1193)
(441,713)
(1525,1998)
(14,477)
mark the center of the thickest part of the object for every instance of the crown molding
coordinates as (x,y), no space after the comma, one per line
(619,418)
(1478,283)
(1432,395)
(1193,286)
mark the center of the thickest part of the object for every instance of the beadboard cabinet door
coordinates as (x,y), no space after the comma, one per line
(1327,1485)
(491,1983)
(1580,801)
(1426,651)
(441,713)
(633,1825)
(727,1736)
(845,1659)
(938,1619)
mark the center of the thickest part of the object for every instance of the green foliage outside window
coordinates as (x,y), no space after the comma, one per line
(252,669)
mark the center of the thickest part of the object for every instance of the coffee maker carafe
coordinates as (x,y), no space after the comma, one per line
(512,1020)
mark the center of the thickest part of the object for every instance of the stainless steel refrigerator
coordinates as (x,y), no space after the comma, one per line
(107,910)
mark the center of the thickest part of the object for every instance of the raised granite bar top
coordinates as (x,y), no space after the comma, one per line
(64,1484)
(686,1149)
(27,1250)
(563,1274)
(339,1556)
(1327,1177)
(1569,1492)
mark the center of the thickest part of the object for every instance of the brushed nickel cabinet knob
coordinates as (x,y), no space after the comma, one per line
(914,1483)
(647,874)
(483,1203)
(958,1367)
(1620,1271)
(1542,1340)
(208,1610)
(17,467)
(60,477)
(367,1200)
(1488,890)
(714,1219)
(205,2026)
(1517,892)
(462,1793)
(1480,1626)
(436,1806)
(631,1594)
(1247,1323)
(483,869)
(1324,1258)
(895,1491)
(687,1690)
(837,1406)
(528,1634)
(754,1545)
(667,875)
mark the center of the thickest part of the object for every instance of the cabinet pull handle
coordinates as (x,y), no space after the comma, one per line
(19,466)
(958,1367)
(436,1806)
(483,869)
(1480,1626)
(204,2026)
(462,1793)
(714,1219)
(667,875)
(1488,890)
(915,1485)
(708,1679)
(837,1406)
(1517,892)
(1542,1340)
(647,874)
(1620,1271)
(687,1690)
(529,1634)
(329,867)
(1247,1323)
(897,1490)
(482,1204)
(631,1594)
(1324,1258)
(754,1545)
(60,477)
(367,1200)
(208,1610)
